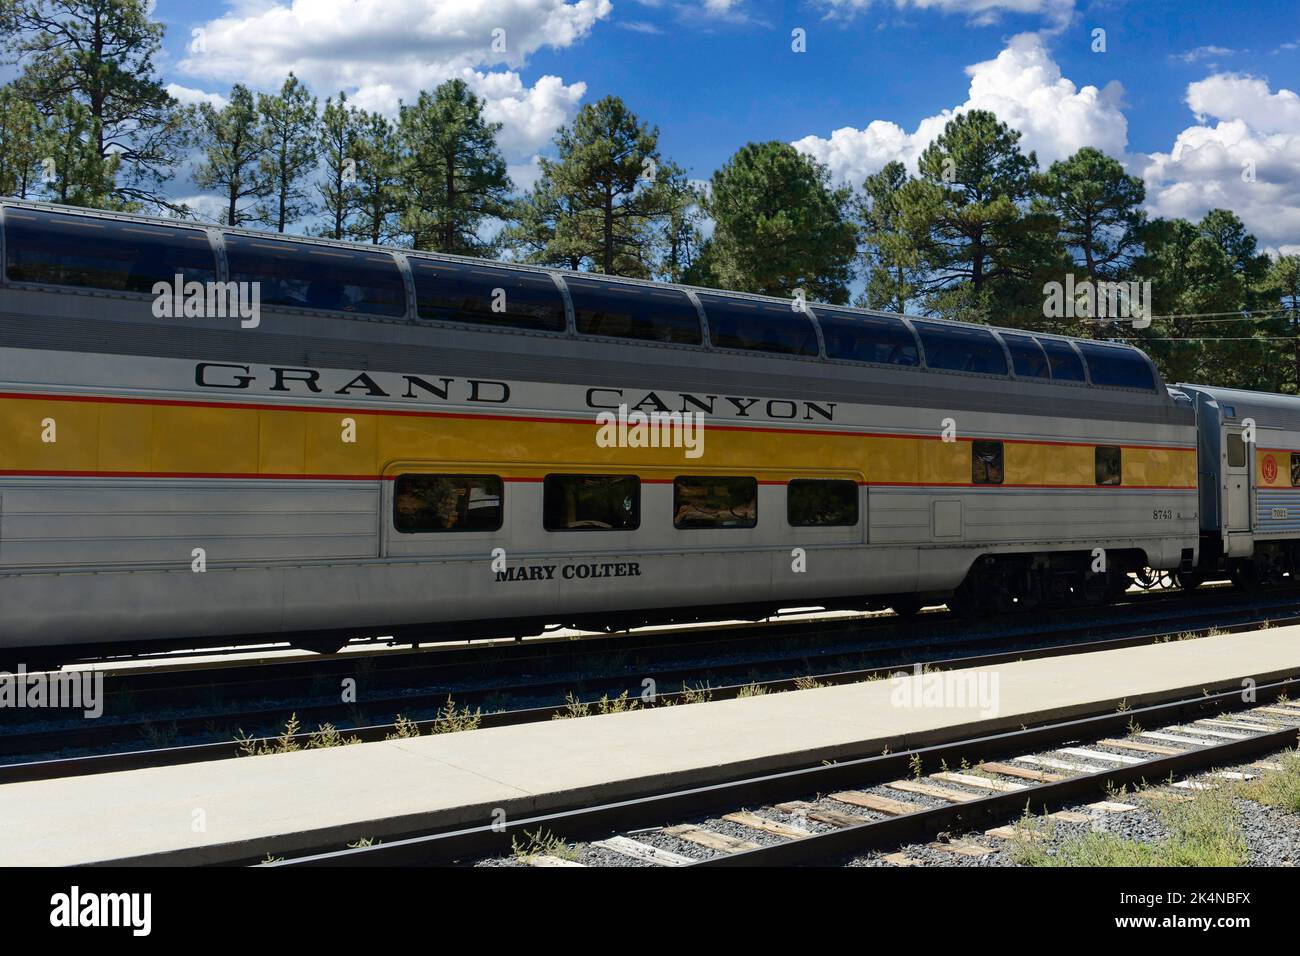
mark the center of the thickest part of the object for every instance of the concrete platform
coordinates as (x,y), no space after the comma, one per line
(251,806)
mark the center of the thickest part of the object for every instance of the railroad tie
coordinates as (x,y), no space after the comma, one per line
(545,859)
(872,801)
(637,850)
(1024,773)
(1111,806)
(929,790)
(978,782)
(1100,757)
(754,821)
(710,839)
(1141,747)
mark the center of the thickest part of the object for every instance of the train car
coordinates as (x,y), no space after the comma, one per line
(381,441)
(1249,453)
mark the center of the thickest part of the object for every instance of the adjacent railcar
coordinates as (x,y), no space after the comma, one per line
(1249,453)
(402,441)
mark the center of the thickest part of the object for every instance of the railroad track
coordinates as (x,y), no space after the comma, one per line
(828,813)
(124,742)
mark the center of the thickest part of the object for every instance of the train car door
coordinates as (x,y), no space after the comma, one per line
(1237,459)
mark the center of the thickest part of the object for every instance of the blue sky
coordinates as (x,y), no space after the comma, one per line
(1185,92)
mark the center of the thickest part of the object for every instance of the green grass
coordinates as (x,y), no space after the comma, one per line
(541,843)
(1204,831)
(1277,788)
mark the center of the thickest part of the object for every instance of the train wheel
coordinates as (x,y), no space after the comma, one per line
(1244,575)
(906,606)
(1189,580)
(963,604)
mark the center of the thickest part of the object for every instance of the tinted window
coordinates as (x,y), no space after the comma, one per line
(1236,451)
(760,326)
(867,338)
(1065,362)
(1295,470)
(483,295)
(1109,471)
(1027,358)
(961,349)
(102,253)
(1121,367)
(591,502)
(813,503)
(634,312)
(715,502)
(423,503)
(986,462)
(304,276)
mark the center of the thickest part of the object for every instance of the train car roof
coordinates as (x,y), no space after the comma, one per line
(820,312)
(1267,408)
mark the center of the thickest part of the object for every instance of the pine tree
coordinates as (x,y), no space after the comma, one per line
(1099,208)
(600,204)
(340,130)
(1284,283)
(988,247)
(680,237)
(21,129)
(379,200)
(779,226)
(893,250)
(455,176)
(234,144)
(78,174)
(289,123)
(100,54)
(1208,283)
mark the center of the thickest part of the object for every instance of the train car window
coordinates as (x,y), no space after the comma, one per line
(301,275)
(1108,467)
(484,295)
(1117,366)
(986,462)
(1236,451)
(821,503)
(758,326)
(591,502)
(867,338)
(429,503)
(98,253)
(1065,361)
(1027,357)
(1295,470)
(714,501)
(961,349)
(634,312)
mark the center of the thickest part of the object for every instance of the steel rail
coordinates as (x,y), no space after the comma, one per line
(52,768)
(585,823)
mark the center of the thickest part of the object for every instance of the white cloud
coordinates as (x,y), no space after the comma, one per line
(1056,12)
(1244,129)
(1248,161)
(1204,53)
(382,51)
(1248,98)
(529,115)
(1023,85)
(205,206)
(189,97)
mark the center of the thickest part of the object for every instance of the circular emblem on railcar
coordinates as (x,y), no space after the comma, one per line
(1270,469)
